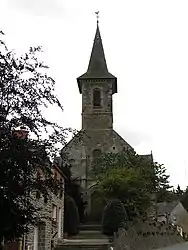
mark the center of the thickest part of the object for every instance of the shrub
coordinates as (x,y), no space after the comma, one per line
(71,217)
(114,216)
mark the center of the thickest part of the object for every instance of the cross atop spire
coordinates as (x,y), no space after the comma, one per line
(97,15)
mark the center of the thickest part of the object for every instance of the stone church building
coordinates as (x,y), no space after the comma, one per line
(97,87)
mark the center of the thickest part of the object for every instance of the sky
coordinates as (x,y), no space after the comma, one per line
(146,48)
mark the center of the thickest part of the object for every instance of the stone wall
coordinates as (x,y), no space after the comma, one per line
(46,228)
(147,235)
(100,118)
(80,152)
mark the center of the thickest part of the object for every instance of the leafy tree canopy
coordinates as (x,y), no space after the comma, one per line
(74,190)
(135,180)
(25,90)
(71,222)
(114,216)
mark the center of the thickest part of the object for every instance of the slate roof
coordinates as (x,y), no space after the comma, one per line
(184,201)
(97,68)
(166,207)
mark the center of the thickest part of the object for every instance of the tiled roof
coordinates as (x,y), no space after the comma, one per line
(166,207)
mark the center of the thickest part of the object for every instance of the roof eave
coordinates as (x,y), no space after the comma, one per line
(84,77)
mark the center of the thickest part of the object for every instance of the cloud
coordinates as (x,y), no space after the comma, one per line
(47,8)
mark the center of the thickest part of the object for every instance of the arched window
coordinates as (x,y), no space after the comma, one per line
(96,153)
(96,98)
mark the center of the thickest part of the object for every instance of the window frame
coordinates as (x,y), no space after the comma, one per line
(97,100)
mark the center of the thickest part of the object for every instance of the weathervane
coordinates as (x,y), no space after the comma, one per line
(97,15)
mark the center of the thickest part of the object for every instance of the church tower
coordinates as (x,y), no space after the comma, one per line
(97,86)
(97,135)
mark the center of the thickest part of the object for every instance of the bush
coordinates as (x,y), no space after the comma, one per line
(114,216)
(71,217)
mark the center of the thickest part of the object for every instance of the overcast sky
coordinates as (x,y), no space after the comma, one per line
(146,47)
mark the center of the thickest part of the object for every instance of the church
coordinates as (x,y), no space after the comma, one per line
(97,87)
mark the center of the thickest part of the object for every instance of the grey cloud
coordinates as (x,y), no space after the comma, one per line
(49,8)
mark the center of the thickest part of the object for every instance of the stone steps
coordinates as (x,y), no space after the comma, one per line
(90,237)
(84,242)
(88,234)
(78,244)
(90,227)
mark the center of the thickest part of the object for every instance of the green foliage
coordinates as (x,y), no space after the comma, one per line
(135,180)
(128,159)
(179,192)
(114,215)
(71,223)
(25,90)
(18,164)
(128,186)
(73,189)
(166,195)
(161,176)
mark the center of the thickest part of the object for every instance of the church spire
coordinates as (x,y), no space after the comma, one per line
(97,68)
(97,64)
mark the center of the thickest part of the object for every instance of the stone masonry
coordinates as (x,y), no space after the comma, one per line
(97,136)
(49,228)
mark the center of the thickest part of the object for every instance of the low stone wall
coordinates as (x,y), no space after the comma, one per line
(146,236)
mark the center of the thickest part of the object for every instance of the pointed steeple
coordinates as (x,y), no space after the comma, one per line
(97,64)
(97,68)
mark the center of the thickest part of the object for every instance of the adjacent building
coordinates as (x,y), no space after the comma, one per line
(49,228)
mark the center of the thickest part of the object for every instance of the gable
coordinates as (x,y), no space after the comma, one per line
(120,139)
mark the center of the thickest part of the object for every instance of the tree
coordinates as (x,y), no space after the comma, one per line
(135,180)
(71,223)
(163,190)
(114,215)
(179,191)
(128,159)
(128,186)
(25,90)
(73,189)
